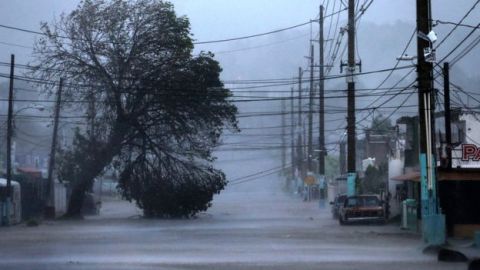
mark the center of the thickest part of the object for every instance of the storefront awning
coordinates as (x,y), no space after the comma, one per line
(411,176)
(457,174)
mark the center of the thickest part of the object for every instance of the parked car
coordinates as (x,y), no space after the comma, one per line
(337,203)
(362,208)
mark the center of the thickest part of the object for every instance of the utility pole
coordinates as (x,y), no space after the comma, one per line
(342,158)
(292,138)
(351,121)
(284,143)
(305,148)
(8,195)
(299,125)
(448,116)
(310,114)
(433,223)
(321,98)
(50,208)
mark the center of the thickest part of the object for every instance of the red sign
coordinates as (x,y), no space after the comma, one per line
(470,152)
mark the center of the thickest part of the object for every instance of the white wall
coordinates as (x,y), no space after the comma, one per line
(60,199)
(395,168)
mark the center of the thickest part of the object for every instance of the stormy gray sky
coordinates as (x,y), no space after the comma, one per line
(382,35)
(219,19)
(215,19)
(382,32)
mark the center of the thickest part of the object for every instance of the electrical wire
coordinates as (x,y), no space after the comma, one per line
(50,82)
(195,43)
(254,35)
(455,24)
(459,23)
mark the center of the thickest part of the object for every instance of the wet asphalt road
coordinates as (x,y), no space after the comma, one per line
(243,230)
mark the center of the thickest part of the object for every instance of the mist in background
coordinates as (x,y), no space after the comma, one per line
(382,35)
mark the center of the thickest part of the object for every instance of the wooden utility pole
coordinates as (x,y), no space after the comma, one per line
(425,88)
(310,113)
(351,121)
(283,139)
(305,148)
(50,208)
(342,158)
(321,97)
(299,125)
(8,195)
(448,115)
(292,137)
(432,221)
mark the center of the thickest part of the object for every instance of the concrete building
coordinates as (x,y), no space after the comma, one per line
(459,184)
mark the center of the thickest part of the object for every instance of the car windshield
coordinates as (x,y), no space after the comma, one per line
(352,202)
(371,201)
(363,201)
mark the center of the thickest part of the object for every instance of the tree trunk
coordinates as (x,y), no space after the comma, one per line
(98,160)
(75,203)
(84,184)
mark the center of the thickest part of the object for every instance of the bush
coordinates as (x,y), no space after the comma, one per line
(374,180)
(32,223)
(170,193)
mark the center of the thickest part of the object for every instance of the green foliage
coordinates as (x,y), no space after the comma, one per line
(166,191)
(32,223)
(74,162)
(381,125)
(332,166)
(375,178)
(159,109)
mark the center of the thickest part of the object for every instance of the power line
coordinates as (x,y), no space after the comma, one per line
(398,60)
(249,81)
(363,8)
(388,100)
(459,44)
(15,45)
(330,25)
(254,35)
(465,51)
(260,46)
(325,98)
(51,82)
(243,178)
(195,43)
(456,24)
(390,74)
(460,22)
(234,98)
(331,112)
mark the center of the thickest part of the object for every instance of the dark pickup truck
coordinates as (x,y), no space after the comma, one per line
(362,208)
